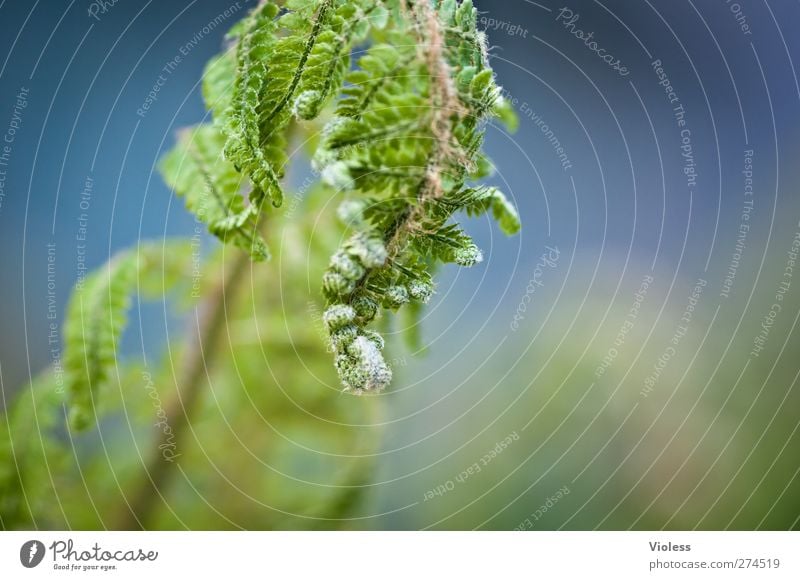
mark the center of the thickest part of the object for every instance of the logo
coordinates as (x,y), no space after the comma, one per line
(31,553)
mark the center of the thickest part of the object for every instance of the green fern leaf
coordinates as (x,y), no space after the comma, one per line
(30,452)
(407,136)
(97,315)
(218,83)
(289,67)
(211,188)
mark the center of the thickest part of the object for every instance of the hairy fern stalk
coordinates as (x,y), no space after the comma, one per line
(400,144)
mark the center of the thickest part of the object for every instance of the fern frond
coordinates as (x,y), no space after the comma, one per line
(407,136)
(477,201)
(289,66)
(218,83)
(211,188)
(242,148)
(379,71)
(97,315)
(29,451)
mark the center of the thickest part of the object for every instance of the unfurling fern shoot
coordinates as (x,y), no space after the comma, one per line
(402,130)
(404,144)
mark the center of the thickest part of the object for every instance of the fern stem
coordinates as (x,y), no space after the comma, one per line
(444,103)
(200,355)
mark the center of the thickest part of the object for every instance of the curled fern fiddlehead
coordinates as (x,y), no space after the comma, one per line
(407,138)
